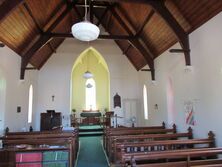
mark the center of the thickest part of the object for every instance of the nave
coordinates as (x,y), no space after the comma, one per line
(91,152)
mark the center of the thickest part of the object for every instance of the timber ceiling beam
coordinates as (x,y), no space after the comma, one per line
(150,15)
(111,37)
(33,18)
(160,8)
(103,24)
(181,35)
(8,6)
(127,49)
(79,16)
(42,41)
(95,5)
(103,15)
(136,44)
(138,32)
(54,14)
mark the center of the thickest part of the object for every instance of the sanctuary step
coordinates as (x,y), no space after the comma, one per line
(90,130)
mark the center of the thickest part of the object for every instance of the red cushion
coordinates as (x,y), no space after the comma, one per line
(28,157)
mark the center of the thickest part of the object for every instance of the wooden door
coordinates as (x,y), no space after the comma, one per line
(130,108)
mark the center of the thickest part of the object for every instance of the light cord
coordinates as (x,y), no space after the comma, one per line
(85,11)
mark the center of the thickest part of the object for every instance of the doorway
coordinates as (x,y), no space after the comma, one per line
(130,108)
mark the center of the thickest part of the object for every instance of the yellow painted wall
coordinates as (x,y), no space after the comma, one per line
(98,67)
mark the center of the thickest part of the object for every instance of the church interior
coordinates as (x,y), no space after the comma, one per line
(118,83)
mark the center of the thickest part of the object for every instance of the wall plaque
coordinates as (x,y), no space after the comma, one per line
(117,101)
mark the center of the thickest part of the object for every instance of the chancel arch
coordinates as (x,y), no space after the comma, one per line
(90,60)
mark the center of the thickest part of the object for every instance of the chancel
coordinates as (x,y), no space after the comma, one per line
(97,83)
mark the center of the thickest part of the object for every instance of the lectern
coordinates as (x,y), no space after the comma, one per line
(109,115)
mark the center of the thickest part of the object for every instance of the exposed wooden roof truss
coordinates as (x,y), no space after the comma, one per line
(143,29)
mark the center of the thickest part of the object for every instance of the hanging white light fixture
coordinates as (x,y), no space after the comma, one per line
(87,74)
(85,31)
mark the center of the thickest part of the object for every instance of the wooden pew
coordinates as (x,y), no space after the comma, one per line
(117,141)
(7,158)
(44,134)
(154,147)
(69,138)
(196,157)
(44,143)
(108,130)
(137,131)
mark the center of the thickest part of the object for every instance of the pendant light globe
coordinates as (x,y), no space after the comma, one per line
(85,31)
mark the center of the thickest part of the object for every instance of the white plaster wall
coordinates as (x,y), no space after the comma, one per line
(202,85)
(55,76)
(14,92)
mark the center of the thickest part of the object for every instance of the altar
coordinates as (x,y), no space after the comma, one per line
(91,117)
(90,113)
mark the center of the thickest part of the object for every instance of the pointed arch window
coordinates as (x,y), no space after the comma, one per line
(30,104)
(145,102)
(90,94)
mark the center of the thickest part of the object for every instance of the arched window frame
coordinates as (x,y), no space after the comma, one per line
(90,94)
(145,103)
(30,105)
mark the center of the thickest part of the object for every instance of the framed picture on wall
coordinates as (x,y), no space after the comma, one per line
(189,112)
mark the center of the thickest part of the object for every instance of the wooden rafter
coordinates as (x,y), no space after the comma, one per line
(79,16)
(127,55)
(145,22)
(160,8)
(33,18)
(7,7)
(108,22)
(51,47)
(53,14)
(103,24)
(127,49)
(95,5)
(183,38)
(171,5)
(43,40)
(103,15)
(136,43)
(138,32)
